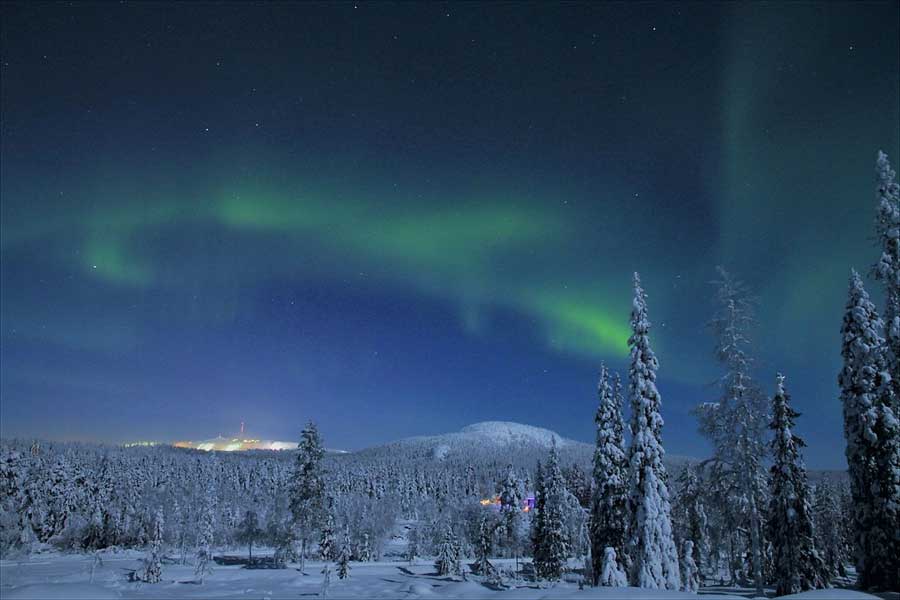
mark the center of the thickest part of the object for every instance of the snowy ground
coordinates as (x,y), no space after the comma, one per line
(48,576)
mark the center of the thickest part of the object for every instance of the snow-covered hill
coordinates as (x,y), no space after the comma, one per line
(494,442)
(505,433)
(488,434)
(492,437)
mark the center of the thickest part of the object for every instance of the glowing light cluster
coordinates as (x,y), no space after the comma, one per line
(494,502)
(223,444)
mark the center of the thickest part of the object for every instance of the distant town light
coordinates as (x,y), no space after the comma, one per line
(227,444)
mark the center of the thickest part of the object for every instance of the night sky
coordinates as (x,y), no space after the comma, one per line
(399,219)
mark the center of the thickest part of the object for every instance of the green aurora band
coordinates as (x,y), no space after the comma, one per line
(459,254)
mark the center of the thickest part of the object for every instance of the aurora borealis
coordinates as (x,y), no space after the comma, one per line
(399,219)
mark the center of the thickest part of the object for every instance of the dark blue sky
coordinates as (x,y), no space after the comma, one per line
(398,219)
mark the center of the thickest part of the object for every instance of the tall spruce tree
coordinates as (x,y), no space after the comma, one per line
(887,269)
(797,564)
(343,558)
(654,557)
(886,494)
(867,414)
(307,502)
(538,516)
(884,573)
(736,423)
(205,534)
(554,544)
(609,501)
(153,560)
(483,546)
(511,501)
(327,544)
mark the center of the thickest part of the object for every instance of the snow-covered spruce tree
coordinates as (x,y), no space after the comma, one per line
(611,573)
(736,424)
(689,512)
(885,564)
(690,574)
(447,562)
(153,561)
(511,501)
(887,269)
(184,525)
(205,539)
(327,545)
(343,557)
(887,452)
(11,477)
(829,537)
(308,491)
(538,517)
(654,557)
(576,527)
(552,544)
(365,551)
(798,567)
(870,428)
(609,502)
(249,531)
(92,537)
(483,548)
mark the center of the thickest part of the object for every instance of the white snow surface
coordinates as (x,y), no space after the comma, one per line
(494,434)
(505,433)
(830,594)
(51,576)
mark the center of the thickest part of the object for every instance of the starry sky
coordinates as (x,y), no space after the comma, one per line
(399,219)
